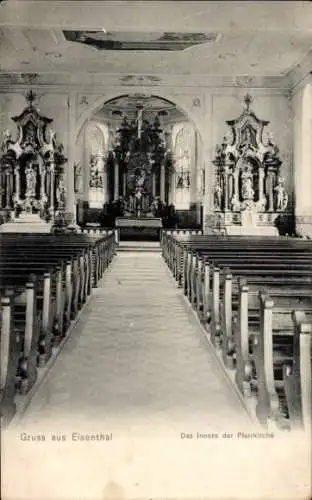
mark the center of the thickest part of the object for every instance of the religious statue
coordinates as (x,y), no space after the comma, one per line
(141,179)
(60,194)
(30,136)
(7,140)
(138,201)
(247,144)
(217,197)
(247,190)
(155,206)
(78,179)
(281,196)
(31,180)
(180,183)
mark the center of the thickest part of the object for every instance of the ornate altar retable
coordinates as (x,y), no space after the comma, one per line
(32,174)
(249,193)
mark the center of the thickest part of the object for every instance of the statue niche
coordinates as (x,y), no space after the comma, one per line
(248,185)
(32,175)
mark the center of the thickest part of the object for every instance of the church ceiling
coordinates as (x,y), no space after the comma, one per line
(144,44)
(112,40)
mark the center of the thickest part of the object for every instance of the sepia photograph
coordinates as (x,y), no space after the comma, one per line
(155,250)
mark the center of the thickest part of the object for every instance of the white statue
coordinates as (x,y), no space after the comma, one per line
(141,179)
(281,196)
(31,180)
(217,196)
(247,190)
(60,193)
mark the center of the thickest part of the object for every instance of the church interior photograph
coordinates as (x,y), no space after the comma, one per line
(155,248)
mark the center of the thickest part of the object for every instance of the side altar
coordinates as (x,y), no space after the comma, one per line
(249,193)
(32,187)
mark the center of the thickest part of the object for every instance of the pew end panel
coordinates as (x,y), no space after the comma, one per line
(297,376)
(10,352)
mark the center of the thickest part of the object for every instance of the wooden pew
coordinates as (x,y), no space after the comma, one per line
(277,266)
(10,350)
(297,377)
(269,355)
(43,283)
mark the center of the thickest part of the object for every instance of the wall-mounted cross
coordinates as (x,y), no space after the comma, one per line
(248,100)
(30,97)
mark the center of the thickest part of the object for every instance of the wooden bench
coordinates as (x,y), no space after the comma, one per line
(213,272)
(297,377)
(44,281)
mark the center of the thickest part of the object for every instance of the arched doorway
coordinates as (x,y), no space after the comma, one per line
(138,151)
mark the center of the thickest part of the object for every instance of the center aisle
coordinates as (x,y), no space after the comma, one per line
(137,353)
(137,407)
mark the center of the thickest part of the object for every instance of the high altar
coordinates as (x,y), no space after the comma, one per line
(32,184)
(249,193)
(142,158)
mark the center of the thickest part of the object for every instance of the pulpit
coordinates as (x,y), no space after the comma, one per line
(32,172)
(249,192)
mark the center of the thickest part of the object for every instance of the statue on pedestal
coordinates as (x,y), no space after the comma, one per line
(138,201)
(281,196)
(247,189)
(61,195)
(217,197)
(31,181)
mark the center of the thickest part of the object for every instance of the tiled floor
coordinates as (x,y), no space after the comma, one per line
(137,353)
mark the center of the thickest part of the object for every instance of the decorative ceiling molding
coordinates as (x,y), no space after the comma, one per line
(300,72)
(86,82)
(139,80)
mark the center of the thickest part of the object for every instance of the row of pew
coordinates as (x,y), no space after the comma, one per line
(253,295)
(44,282)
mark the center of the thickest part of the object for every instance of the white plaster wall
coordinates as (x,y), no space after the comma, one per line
(302,158)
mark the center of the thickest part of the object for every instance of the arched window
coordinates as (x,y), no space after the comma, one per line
(97,136)
(183,136)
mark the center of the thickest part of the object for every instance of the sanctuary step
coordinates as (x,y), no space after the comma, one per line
(26,223)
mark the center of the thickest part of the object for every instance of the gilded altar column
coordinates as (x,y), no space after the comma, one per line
(70,177)
(173,187)
(226,188)
(42,184)
(51,208)
(105,190)
(162,182)
(124,184)
(8,186)
(261,185)
(154,185)
(236,188)
(270,191)
(116,181)
(17,181)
